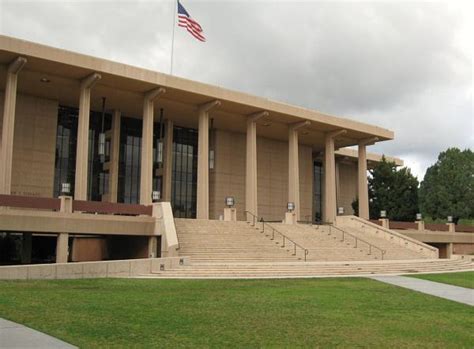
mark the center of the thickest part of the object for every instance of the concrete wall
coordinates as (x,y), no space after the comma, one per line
(228,176)
(34,145)
(103,269)
(347,185)
(463,248)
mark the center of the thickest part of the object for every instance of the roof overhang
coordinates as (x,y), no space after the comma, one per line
(124,86)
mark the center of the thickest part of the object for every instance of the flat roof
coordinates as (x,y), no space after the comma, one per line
(124,86)
(371,157)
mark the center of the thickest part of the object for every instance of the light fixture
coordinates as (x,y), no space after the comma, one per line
(45,79)
(305,133)
(211,159)
(155,196)
(159,152)
(383,214)
(101,150)
(230,201)
(340,211)
(290,206)
(266,124)
(450,219)
(418,217)
(65,188)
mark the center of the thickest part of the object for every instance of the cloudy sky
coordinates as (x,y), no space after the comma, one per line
(405,66)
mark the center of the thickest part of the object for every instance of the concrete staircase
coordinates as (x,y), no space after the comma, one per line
(310,269)
(220,249)
(219,241)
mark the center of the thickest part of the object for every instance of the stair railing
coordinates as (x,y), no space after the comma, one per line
(357,240)
(285,239)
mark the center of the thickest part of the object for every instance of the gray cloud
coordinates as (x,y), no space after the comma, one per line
(395,64)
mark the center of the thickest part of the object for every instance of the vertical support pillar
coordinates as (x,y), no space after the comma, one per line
(8,128)
(251,188)
(114,156)
(449,250)
(168,161)
(330,176)
(82,150)
(146,173)
(152,246)
(62,241)
(202,209)
(62,248)
(362,187)
(294,167)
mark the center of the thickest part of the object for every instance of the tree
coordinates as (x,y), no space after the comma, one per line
(448,186)
(392,190)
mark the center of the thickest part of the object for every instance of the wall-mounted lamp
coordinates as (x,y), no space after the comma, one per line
(450,219)
(229,201)
(290,206)
(383,214)
(340,211)
(155,196)
(65,188)
(418,217)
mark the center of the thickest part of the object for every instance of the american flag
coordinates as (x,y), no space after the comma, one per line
(185,21)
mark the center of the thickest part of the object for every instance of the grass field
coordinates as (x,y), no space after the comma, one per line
(463,279)
(237,313)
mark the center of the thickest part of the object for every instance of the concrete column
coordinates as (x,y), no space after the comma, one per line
(363,190)
(168,161)
(449,250)
(152,246)
(146,174)
(114,156)
(8,128)
(294,167)
(62,248)
(251,188)
(330,177)
(203,161)
(62,241)
(82,150)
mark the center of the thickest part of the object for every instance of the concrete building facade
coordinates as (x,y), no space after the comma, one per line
(116,133)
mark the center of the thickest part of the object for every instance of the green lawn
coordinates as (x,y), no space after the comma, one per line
(237,313)
(463,279)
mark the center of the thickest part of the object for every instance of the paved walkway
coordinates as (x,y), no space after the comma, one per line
(13,335)
(454,293)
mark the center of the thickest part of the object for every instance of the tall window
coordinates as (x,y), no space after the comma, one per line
(130,160)
(318,191)
(184,178)
(66,144)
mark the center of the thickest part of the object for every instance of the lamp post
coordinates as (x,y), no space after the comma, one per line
(155,196)
(230,213)
(65,189)
(384,220)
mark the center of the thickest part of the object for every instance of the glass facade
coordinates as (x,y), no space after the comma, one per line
(130,160)
(184,176)
(184,171)
(66,143)
(318,191)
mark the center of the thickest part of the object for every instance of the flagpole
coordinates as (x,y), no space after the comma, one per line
(172,38)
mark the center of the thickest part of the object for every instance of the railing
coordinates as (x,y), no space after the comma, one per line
(111,208)
(406,239)
(54,204)
(357,240)
(38,203)
(285,239)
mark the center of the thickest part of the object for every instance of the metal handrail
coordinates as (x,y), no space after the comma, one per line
(357,239)
(406,239)
(285,238)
